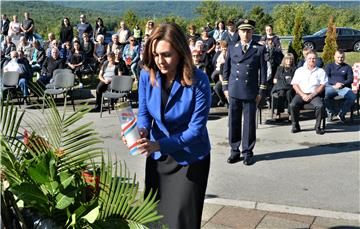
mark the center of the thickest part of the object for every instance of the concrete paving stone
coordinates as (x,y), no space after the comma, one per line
(215,226)
(318,227)
(280,223)
(238,217)
(231,202)
(332,223)
(210,210)
(293,217)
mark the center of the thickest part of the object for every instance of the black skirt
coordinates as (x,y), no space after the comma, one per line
(181,190)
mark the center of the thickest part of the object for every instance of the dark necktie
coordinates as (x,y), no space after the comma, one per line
(245,48)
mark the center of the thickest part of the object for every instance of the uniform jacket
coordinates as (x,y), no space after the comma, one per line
(244,72)
(182,134)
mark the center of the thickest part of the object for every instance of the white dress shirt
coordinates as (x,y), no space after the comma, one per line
(308,80)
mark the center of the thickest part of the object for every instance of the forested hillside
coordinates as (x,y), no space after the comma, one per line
(185,9)
(48,15)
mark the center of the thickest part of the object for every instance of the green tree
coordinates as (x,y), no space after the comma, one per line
(212,11)
(176,19)
(330,42)
(348,17)
(321,17)
(227,12)
(284,17)
(283,22)
(131,19)
(262,19)
(208,11)
(297,43)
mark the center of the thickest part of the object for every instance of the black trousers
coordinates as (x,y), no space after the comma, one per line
(181,190)
(43,80)
(236,110)
(100,89)
(219,92)
(298,102)
(284,97)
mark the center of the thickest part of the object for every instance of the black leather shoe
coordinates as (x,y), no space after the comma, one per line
(295,129)
(320,131)
(95,109)
(233,159)
(248,160)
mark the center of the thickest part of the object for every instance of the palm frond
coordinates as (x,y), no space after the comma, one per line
(10,145)
(10,121)
(10,166)
(74,143)
(118,192)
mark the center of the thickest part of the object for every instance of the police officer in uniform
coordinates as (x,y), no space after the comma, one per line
(244,70)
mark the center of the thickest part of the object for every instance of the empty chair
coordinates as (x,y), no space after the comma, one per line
(10,80)
(63,83)
(120,87)
(57,71)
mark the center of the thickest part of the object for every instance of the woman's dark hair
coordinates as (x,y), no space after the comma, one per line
(62,22)
(172,33)
(101,22)
(217,24)
(73,46)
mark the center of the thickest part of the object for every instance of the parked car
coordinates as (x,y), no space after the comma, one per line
(347,39)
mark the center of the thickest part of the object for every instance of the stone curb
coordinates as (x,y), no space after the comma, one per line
(284,208)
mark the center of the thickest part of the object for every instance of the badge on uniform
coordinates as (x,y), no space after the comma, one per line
(237,45)
(254,46)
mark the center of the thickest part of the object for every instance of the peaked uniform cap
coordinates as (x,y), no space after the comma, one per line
(246,24)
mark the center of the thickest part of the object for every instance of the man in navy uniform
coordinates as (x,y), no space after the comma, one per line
(244,69)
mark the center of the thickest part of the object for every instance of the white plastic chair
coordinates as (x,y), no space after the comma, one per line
(10,80)
(63,84)
(120,88)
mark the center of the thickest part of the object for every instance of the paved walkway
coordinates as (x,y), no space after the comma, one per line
(217,216)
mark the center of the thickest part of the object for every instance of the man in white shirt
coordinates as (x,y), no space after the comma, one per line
(309,82)
(12,65)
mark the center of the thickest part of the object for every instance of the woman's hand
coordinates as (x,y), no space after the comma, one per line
(147,147)
(142,131)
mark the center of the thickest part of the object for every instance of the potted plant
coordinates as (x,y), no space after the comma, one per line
(54,175)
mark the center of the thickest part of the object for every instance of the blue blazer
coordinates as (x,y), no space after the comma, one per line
(183,134)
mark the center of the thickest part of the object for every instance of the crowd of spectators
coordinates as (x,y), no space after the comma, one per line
(87,53)
(208,53)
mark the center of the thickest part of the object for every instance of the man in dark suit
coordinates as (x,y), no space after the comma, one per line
(244,67)
(5,23)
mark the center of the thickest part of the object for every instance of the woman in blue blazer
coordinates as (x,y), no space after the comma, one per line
(174,102)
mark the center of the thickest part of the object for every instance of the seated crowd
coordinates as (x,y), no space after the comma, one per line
(88,54)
